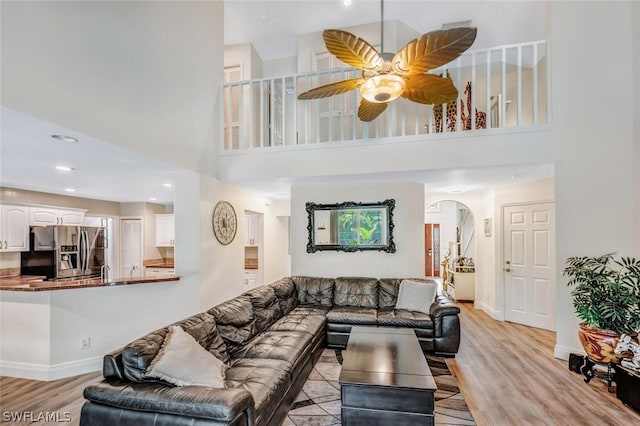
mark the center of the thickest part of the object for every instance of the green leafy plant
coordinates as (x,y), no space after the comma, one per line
(606,291)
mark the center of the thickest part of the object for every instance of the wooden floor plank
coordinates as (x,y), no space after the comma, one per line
(506,372)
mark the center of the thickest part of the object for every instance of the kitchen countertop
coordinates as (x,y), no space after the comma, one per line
(35,283)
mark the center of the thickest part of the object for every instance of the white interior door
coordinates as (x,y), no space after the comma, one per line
(131,247)
(529,264)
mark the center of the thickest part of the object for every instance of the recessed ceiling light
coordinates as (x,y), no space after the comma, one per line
(456,190)
(70,190)
(167,185)
(346,2)
(152,199)
(65,138)
(65,168)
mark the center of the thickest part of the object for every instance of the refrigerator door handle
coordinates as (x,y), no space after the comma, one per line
(86,250)
(82,251)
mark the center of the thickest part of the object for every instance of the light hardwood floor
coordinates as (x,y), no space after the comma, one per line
(508,376)
(506,372)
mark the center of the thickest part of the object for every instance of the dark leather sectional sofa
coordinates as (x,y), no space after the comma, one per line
(270,338)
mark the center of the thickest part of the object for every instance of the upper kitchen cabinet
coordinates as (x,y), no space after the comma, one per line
(43,216)
(14,228)
(252,229)
(165,230)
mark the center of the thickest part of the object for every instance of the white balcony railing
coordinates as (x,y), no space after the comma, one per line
(508,90)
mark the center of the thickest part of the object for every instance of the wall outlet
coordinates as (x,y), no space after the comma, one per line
(85,343)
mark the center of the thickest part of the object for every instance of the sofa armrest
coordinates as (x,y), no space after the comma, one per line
(443,305)
(222,405)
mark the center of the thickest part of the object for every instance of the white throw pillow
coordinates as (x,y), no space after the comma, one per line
(182,362)
(416,296)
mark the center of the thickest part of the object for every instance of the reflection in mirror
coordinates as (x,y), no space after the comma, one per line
(351,226)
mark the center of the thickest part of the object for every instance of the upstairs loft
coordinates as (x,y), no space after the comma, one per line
(505,88)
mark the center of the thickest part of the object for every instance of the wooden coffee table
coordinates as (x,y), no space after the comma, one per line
(385,379)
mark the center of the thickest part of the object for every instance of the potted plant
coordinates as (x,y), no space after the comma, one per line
(606,297)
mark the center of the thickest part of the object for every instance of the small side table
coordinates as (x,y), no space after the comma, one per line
(628,387)
(589,373)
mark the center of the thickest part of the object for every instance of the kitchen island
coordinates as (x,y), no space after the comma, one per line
(55,329)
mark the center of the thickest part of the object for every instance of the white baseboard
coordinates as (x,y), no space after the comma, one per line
(562,352)
(493,313)
(43,372)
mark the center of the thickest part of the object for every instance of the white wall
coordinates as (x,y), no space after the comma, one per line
(595,160)
(408,218)
(636,120)
(222,267)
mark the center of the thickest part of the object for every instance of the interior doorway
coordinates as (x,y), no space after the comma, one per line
(529,264)
(253,249)
(131,245)
(432,250)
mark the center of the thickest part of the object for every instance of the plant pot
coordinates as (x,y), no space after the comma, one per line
(599,345)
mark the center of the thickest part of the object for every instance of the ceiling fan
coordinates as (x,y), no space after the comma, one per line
(386,76)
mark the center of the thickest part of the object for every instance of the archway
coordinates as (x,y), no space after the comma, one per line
(450,247)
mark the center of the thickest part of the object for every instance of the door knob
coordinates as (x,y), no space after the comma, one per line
(508,262)
(507,269)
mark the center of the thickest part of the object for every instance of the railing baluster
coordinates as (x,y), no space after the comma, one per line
(295,110)
(262,120)
(535,84)
(474,91)
(283,111)
(272,115)
(240,115)
(230,117)
(318,113)
(503,89)
(489,113)
(519,90)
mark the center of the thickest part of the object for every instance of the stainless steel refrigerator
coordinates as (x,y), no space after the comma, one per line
(63,252)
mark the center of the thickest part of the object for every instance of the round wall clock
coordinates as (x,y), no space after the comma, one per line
(224,222)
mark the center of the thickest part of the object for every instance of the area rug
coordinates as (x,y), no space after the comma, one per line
(318,403)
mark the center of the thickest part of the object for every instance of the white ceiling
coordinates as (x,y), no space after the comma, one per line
(272,26)
(110,172)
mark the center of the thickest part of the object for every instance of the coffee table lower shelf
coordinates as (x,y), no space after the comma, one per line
(417,406)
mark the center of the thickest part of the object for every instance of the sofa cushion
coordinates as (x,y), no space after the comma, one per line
(310,310)
(356,291)
(236,321)
(182,361)
(137,355)
(310,323)
(353,315)
(290,346)
(388,292)
(314,290)
(391,317)
(416,296)
(285,291)
(265,304)
(268,381)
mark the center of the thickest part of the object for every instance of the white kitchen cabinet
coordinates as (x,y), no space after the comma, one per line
(252,227)
(250,278)
(150,271)
(14,228)
(165,230)
(43,216)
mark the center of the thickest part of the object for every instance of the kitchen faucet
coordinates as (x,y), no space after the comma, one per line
(104,272)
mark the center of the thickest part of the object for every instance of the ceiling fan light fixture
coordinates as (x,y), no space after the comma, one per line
(382,88)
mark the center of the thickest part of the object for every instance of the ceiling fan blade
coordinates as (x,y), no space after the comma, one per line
(332,89)
(352,50)
(429,89)
(432,50)
(368,111)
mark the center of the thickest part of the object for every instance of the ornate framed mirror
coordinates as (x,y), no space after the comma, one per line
(351,226)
